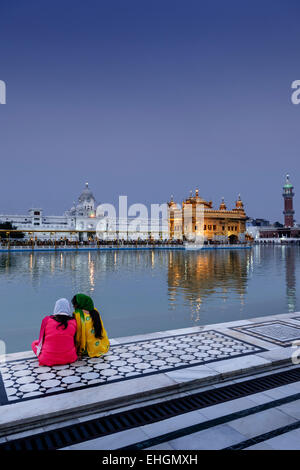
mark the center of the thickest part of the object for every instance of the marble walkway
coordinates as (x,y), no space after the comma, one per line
(141,368)
(258,421)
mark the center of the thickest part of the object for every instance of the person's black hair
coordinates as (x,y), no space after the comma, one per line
(62,320)
(97,323)
(95,318)
(74,302)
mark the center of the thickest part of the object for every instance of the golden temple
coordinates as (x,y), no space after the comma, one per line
(219,225)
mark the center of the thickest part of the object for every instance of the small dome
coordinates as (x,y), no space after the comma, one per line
(197,200)
(223,205)
(172,204)
(288,184)
(239,204)
(86,194)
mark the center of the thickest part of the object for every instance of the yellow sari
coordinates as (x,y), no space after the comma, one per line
(86,341)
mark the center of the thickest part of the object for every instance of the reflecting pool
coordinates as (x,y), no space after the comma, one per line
(145,291)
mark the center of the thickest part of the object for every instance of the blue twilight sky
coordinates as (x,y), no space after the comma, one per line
(149,98)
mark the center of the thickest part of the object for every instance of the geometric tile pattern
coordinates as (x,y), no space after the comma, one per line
(24,379)
(277,332)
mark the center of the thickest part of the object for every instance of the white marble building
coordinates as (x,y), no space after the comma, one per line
(84,221)
(36,221)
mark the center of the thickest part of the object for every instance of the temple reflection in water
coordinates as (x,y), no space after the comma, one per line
(198,276)
(143,291)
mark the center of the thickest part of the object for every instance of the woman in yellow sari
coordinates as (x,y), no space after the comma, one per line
(91,337)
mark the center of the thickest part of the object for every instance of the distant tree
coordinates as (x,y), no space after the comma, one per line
(8,227)
(278,225)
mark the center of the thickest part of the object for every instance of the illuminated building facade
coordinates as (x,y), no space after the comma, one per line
(221,225)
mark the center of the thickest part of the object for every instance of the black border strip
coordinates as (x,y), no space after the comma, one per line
(285,344)
(258,349)
(3,395)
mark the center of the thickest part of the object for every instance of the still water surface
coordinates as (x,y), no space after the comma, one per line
(145,291)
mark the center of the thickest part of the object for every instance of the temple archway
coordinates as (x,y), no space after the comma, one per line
(233,239)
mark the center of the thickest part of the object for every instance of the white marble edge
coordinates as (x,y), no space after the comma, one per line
(224,327)
(278,316)
(43,407)
(243,336)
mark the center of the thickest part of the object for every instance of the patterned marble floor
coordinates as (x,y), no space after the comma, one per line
(277,332)
(24,379)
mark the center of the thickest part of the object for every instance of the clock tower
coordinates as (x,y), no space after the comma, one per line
(288,195)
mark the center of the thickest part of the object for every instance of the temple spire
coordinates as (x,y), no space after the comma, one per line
(223,205)
(239,203)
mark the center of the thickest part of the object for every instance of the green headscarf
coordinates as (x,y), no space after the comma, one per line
(84,302)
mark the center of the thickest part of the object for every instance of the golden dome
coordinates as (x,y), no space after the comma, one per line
(172,203)
(239,204)
(197,199)
(223,205)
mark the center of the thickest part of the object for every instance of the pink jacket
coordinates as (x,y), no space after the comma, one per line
(57,344)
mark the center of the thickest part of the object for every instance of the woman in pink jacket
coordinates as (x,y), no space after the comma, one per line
(56,344)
